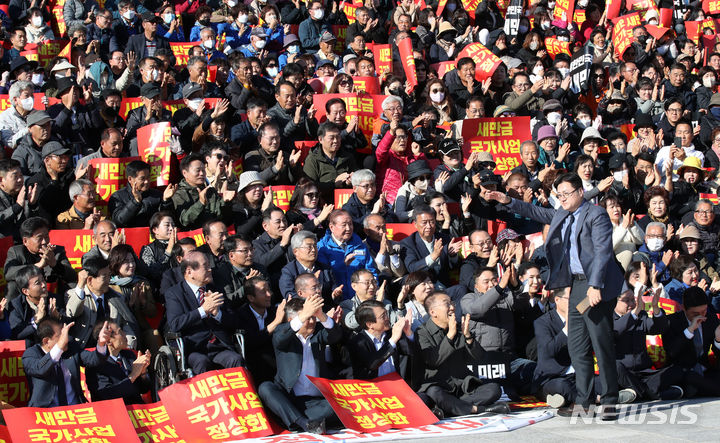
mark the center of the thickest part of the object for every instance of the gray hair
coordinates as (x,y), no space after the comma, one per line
(363,175)
(391,99)
(529,142)
(97,225)
(662,225)
(77,186)
(299,238)
(366,220)
(18,87)
(207,28)
(703,201)
(74,28)
(196,59)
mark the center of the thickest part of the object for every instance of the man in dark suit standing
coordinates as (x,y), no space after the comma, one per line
(580,255)
(428,250)
(199,314)
(259,320)
(691,333)
(300,351)
(53,365)
(145,44)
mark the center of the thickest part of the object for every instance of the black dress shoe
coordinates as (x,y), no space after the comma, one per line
(438,413)
(572,409)
(316,427)
(608,413)
(496,408)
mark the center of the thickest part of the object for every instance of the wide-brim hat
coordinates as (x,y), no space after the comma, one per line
(249,178)
(418,168)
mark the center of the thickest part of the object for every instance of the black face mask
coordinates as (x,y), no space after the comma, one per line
(395,91)
(463,21)
(204,22)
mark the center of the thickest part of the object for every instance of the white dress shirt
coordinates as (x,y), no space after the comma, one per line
(304,386)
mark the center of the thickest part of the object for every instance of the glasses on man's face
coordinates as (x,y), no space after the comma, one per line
(383,316)
(674,110)
(566,195)
(367,282)
(704,213)
(308,248)
(244,250)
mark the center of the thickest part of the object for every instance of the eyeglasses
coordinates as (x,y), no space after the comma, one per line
(565,195)
(312,195)
(308,247)
(674,110)
(401,137)
(222,157)
(244,251)
(704,213)
(367,283)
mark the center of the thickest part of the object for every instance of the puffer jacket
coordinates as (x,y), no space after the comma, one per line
(491,318)
(392,167)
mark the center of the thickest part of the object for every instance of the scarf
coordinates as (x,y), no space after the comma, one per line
(310,213)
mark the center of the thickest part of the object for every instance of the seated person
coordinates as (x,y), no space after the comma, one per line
(215,232)
(304,248)
(37,250)
(93,301)
(428,250)
(366,288)
(135,204)
(194,202)
(156,255)
(173,276)
(480,256)
(33,305)
(230,275)
(260,319)
(343,251)
(375,351)
(199,314)
(123,375)
(329,165)
(365,200)
(83,214)
(445,351)
(53,365)
(530,303)
(292,397)
(385,252)
(53,181)
(15,198)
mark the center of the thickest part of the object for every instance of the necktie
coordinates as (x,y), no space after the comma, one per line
(697,341)
(60,382)
(120,363)
(100,309)
(201,295)
(568,234)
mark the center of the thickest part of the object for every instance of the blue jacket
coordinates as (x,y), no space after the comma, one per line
(309,34)
(332,255)
(233,38)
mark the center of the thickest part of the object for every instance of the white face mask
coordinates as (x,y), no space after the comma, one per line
(563,38)
(260,44)
(553,118)
(551,5)
(437,97)
(545,25)
(270,18)
(194,103)
(421,185)
(232,3)
(293,49)
(654,244)
(155,75)
(208,44)
(318,14)
(37,21)
(582,4)
(564,71)
(708,82)
(272,72)
(620,175)
(584,123)
(168,18)
(242,18)
(37,79)
(538,70)
(534,46)
(129,14)
(27,103)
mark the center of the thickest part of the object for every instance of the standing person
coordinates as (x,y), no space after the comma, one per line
(580,256)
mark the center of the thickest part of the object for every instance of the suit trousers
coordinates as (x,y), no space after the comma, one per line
(563,385)
(481,395)
(291,409)
(201,362)
(592,331)
(650,383)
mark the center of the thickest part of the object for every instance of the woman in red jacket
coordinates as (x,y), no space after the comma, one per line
(393,156)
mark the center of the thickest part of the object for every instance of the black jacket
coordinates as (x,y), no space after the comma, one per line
(258,344)
(53,197)
(110,380)
(552,347)
(681,350)
(136,44)
(21,315)
(18,257)
(630,343)
(128,212)
(366,360)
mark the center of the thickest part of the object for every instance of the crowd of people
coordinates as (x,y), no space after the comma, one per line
(601,227)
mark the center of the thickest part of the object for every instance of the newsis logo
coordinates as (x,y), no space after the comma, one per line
(641,414)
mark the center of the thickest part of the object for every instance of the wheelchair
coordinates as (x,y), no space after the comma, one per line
(170,365)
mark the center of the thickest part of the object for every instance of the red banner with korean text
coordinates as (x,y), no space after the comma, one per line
(196,235)
(367,107)
(109,175)
(555,47)
(579,17)
(103,421)
(711,6)
(44,52)
(154,148)
(692,30)
(282,195)
(5,244)
(79,241)
(485,61)
(612,9)
(58,22)
(368,85)
(408,61)
(564,10)
(471,5)
(382,55)
(152,423)
(341,197)
(217,405)
(350,9)
(375,405)
(13,383)
(440,8)
(321,85)
(443,68)
(340,33)
(499,136)
(181,50)
(622,35)
(398,231)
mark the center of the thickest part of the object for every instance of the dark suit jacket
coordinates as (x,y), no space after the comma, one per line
(18,256)
(258,344)
(136,44)
(681,350)
(594,231)
(290,272)
(109,380)
(366,360)
(289,352)
(415,251)
(231,281)
(553,358)
(170,278)
(40,371)
(21,316)
(183,317)
(630,342)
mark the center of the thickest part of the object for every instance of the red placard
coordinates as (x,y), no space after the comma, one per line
(657,32)
(44,52)
(666,17)
(711,6)
(105,421)
(13,383)
(109,175)
(181,51)
(440,8)
(499,136)
(712,197)
(623,31)
(196,234)
(282,195)
(137,237)
(612,9)
(471,5)
(4,433)
(367,107)
(368,85)
(152,423)
(341,197)
(443,68)
(154,148)
(350,9)
(564,10)
(579,17)
(5,244)
(79,241)
(340,33)
(375,405)
(639,5)
(382,55)
(321,85)
(555,47)
(216,405)
(37,103)
(408,61)
(399,231)
(59,27)
(485,61)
